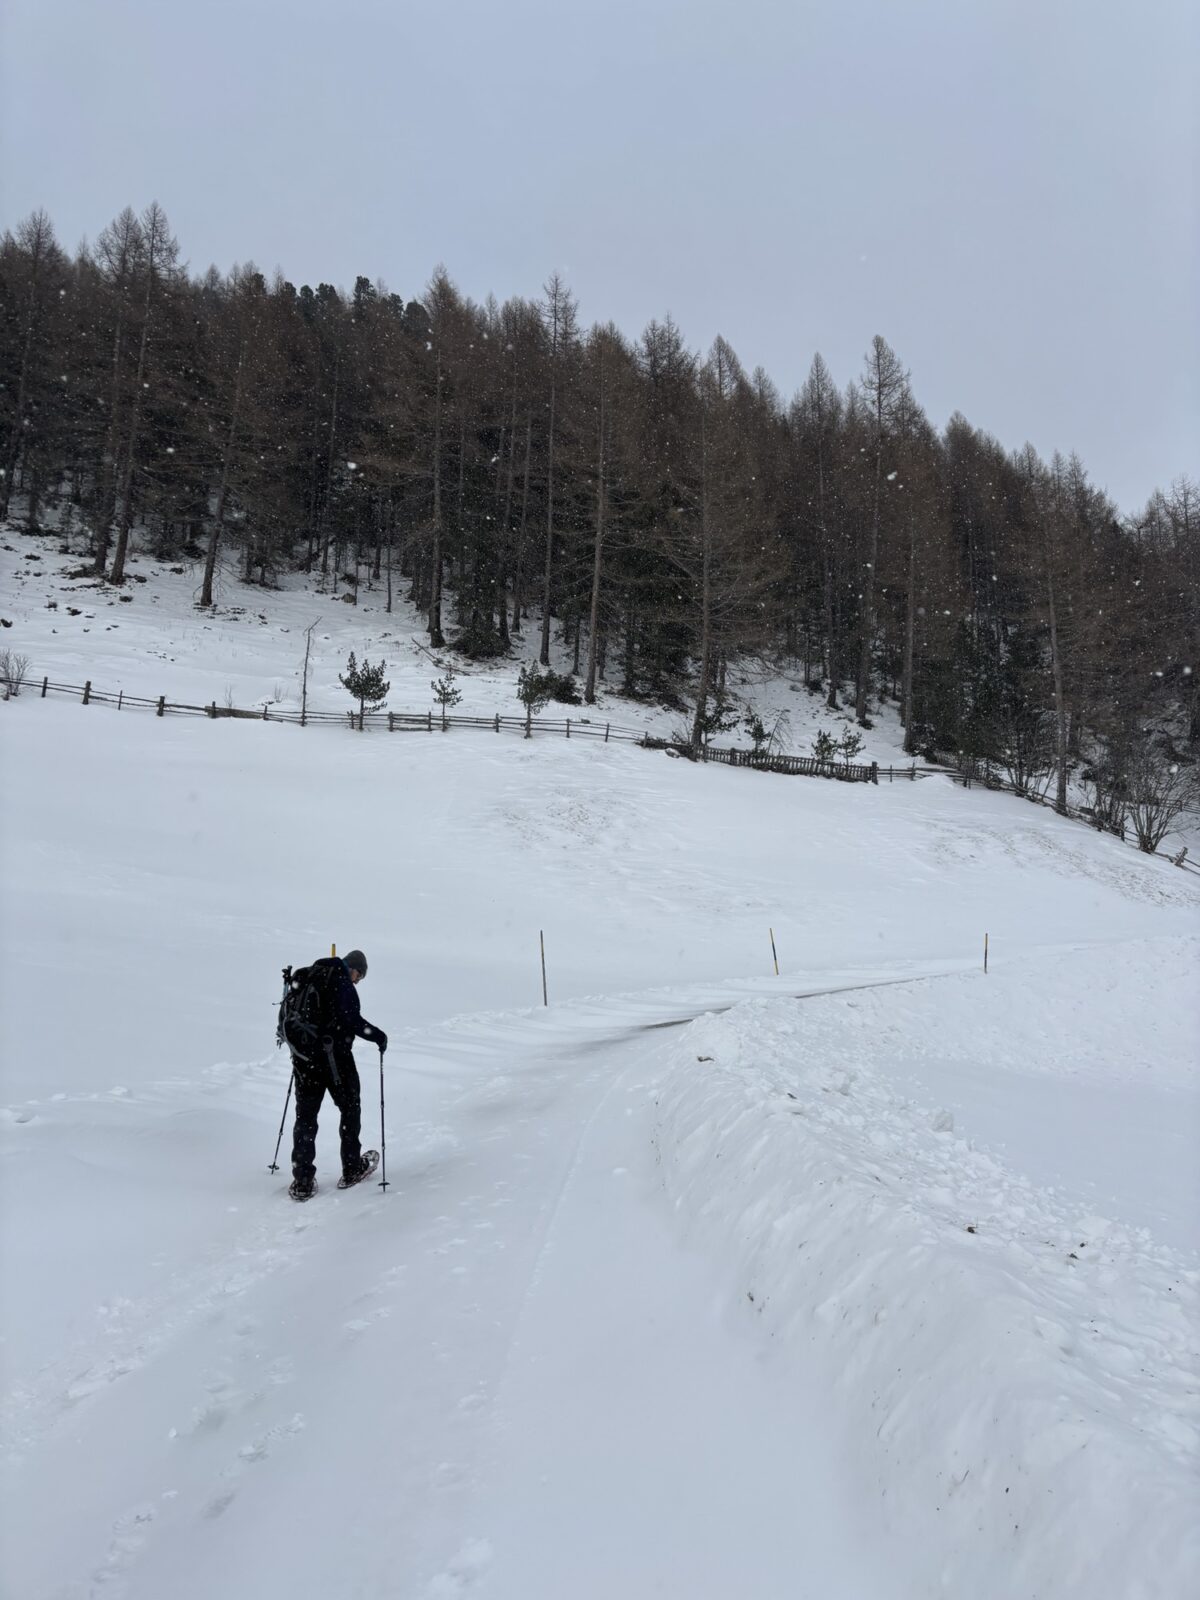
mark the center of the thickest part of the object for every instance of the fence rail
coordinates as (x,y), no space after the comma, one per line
(965,772)
(434,722)
(796,766)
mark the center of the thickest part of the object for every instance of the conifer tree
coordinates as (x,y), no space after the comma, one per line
(366,684)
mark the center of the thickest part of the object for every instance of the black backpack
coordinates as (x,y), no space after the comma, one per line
(306,1013)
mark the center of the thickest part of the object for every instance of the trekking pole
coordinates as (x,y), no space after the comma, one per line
(274,1167)
(383,1183)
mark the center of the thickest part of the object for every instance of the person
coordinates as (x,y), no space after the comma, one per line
(331,1070)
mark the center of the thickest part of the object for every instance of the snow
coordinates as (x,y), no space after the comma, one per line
(877,1278)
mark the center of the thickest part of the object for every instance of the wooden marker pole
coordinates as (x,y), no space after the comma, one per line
(985,945)
(542,939)
(771,931)
(333,949)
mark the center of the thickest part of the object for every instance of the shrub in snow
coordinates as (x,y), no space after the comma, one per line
(13,669)
(1158,792)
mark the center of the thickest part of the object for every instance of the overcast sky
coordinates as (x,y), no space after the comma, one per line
(1005,189)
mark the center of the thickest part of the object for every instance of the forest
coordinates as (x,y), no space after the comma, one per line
(660,513)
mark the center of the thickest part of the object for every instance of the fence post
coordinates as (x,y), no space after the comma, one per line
(497,722)
(391,722)
(87,691)
(45,686)
(875,772)
(606,733)
(568,727)
(120,698)
(265,717)
(162,705)
(212,711)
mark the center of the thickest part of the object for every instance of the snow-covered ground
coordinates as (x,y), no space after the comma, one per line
(876,1279)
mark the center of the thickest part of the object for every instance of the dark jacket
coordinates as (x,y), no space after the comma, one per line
(329,1040)
(348,1020)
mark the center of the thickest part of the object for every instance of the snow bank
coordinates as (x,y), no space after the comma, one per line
(1017,1377)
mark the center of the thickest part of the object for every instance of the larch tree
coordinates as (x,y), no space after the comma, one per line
(884,386)
(160,252)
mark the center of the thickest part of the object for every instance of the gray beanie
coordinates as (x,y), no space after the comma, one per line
(357,962)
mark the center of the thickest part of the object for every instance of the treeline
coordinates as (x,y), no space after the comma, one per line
(665,512)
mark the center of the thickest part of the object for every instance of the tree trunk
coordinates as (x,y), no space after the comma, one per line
(436,637)
(126,517)
(863,685)
(910,625)
(391,539)
(519,570)
(460,599)
(505,551)
(698,720)
(214,538)
(323,531)
(544,652)
(18,427)
(589,693)
(1060,703)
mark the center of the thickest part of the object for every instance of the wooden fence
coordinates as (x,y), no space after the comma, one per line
(965,772)
(795,766)
(434,722)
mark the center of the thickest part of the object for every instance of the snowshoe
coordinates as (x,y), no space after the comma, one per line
(370,1161)
(302,1191)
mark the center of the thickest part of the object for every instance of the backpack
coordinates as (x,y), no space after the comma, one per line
(306,1020)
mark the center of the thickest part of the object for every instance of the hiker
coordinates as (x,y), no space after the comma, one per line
(324,1062)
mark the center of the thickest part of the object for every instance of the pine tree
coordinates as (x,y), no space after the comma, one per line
(366,684)
(446,693)
(534,690)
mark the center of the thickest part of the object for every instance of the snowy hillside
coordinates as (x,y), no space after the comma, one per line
(879,1278)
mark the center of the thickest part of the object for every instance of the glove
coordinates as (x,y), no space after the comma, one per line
(377,1036)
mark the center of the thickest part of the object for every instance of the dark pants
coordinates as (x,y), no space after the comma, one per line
(313,1082)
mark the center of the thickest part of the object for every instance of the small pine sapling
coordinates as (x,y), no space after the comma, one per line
(446,693)
(849,744)
(824,747)
(366,684)
(759,737)
(719,717)
(534,689)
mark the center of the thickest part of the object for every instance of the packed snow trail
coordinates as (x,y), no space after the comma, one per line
(638,1445)
(266,1423)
